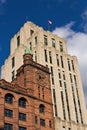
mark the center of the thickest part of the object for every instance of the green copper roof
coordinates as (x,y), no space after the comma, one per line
(27,51)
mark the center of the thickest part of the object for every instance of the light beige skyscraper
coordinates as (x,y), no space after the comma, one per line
(51,51)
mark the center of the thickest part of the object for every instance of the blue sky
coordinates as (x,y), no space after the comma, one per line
(69,19)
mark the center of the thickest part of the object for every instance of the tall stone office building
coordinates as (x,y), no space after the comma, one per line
(66,86)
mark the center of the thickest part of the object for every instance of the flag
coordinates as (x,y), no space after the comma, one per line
(49,21)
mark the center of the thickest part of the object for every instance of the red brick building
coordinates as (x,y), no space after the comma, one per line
(26,102)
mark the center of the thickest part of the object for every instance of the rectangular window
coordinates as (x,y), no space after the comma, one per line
(8,113)
(42,122)
(60,83)
(21,128)
(22,116)
(53,42)
(50,57)
(36,120)
(8,126)
(13,62)
(57,59)
(64,128)
(71,78)
(73,68)
(45,53)
(59,75)
(54,99)
(35,56)
(35,40)
(52,75)
(30,45)
(31,32)
(62,65)
(61,46)
(18,41)
(45,40)
(68,61)
(13,75)
(50,124)
(63,106)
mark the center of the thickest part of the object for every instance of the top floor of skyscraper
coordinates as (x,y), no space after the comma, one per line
(31,35)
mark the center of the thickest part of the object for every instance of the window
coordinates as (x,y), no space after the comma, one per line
(36,120)
(35,40)
(57,59)
(53,42)
(41,108)
(30,46)
(71,78)
(18,41)
(68,64)
(13,62)
(9,98)
(54,99)
(45,40)
(50,57)
(61,46)
(22,128)
(63,127)
(60,83)
(22,102)
(69,128)
(8,113)
(35,56)
(59,74)
(50,124)
(8,126)
(62,61)
(31,32)
(52,75)
(73,68)
(45,53)
(22,116)
(42,122)
(43,92)
(13,75)
(63,106)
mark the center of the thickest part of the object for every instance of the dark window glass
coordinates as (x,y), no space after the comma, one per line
(22,116)
(41,108)
(60,82)
(50,57)
(13,62)
(73,68)
(30,46)
(62,61)
(31,32)
(53,42)
(42,122)
(8,126)
(45,40)
(8,113)
(68,64)
(50,124)
(13,75)
(22,102)
(63,106)
(57,58)
(22,128)
(9,98)
(35,40)
(36,119)
(61,46)
(45,53)
(18,41)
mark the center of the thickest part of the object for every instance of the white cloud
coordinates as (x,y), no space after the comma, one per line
(77,45)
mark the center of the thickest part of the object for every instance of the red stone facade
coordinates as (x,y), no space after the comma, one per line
(26,102)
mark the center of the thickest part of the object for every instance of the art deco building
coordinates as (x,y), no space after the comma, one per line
(26,102)
(66,86)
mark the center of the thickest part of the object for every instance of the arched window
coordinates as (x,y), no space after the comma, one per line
(41,108)
(22,102)
(9,98)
